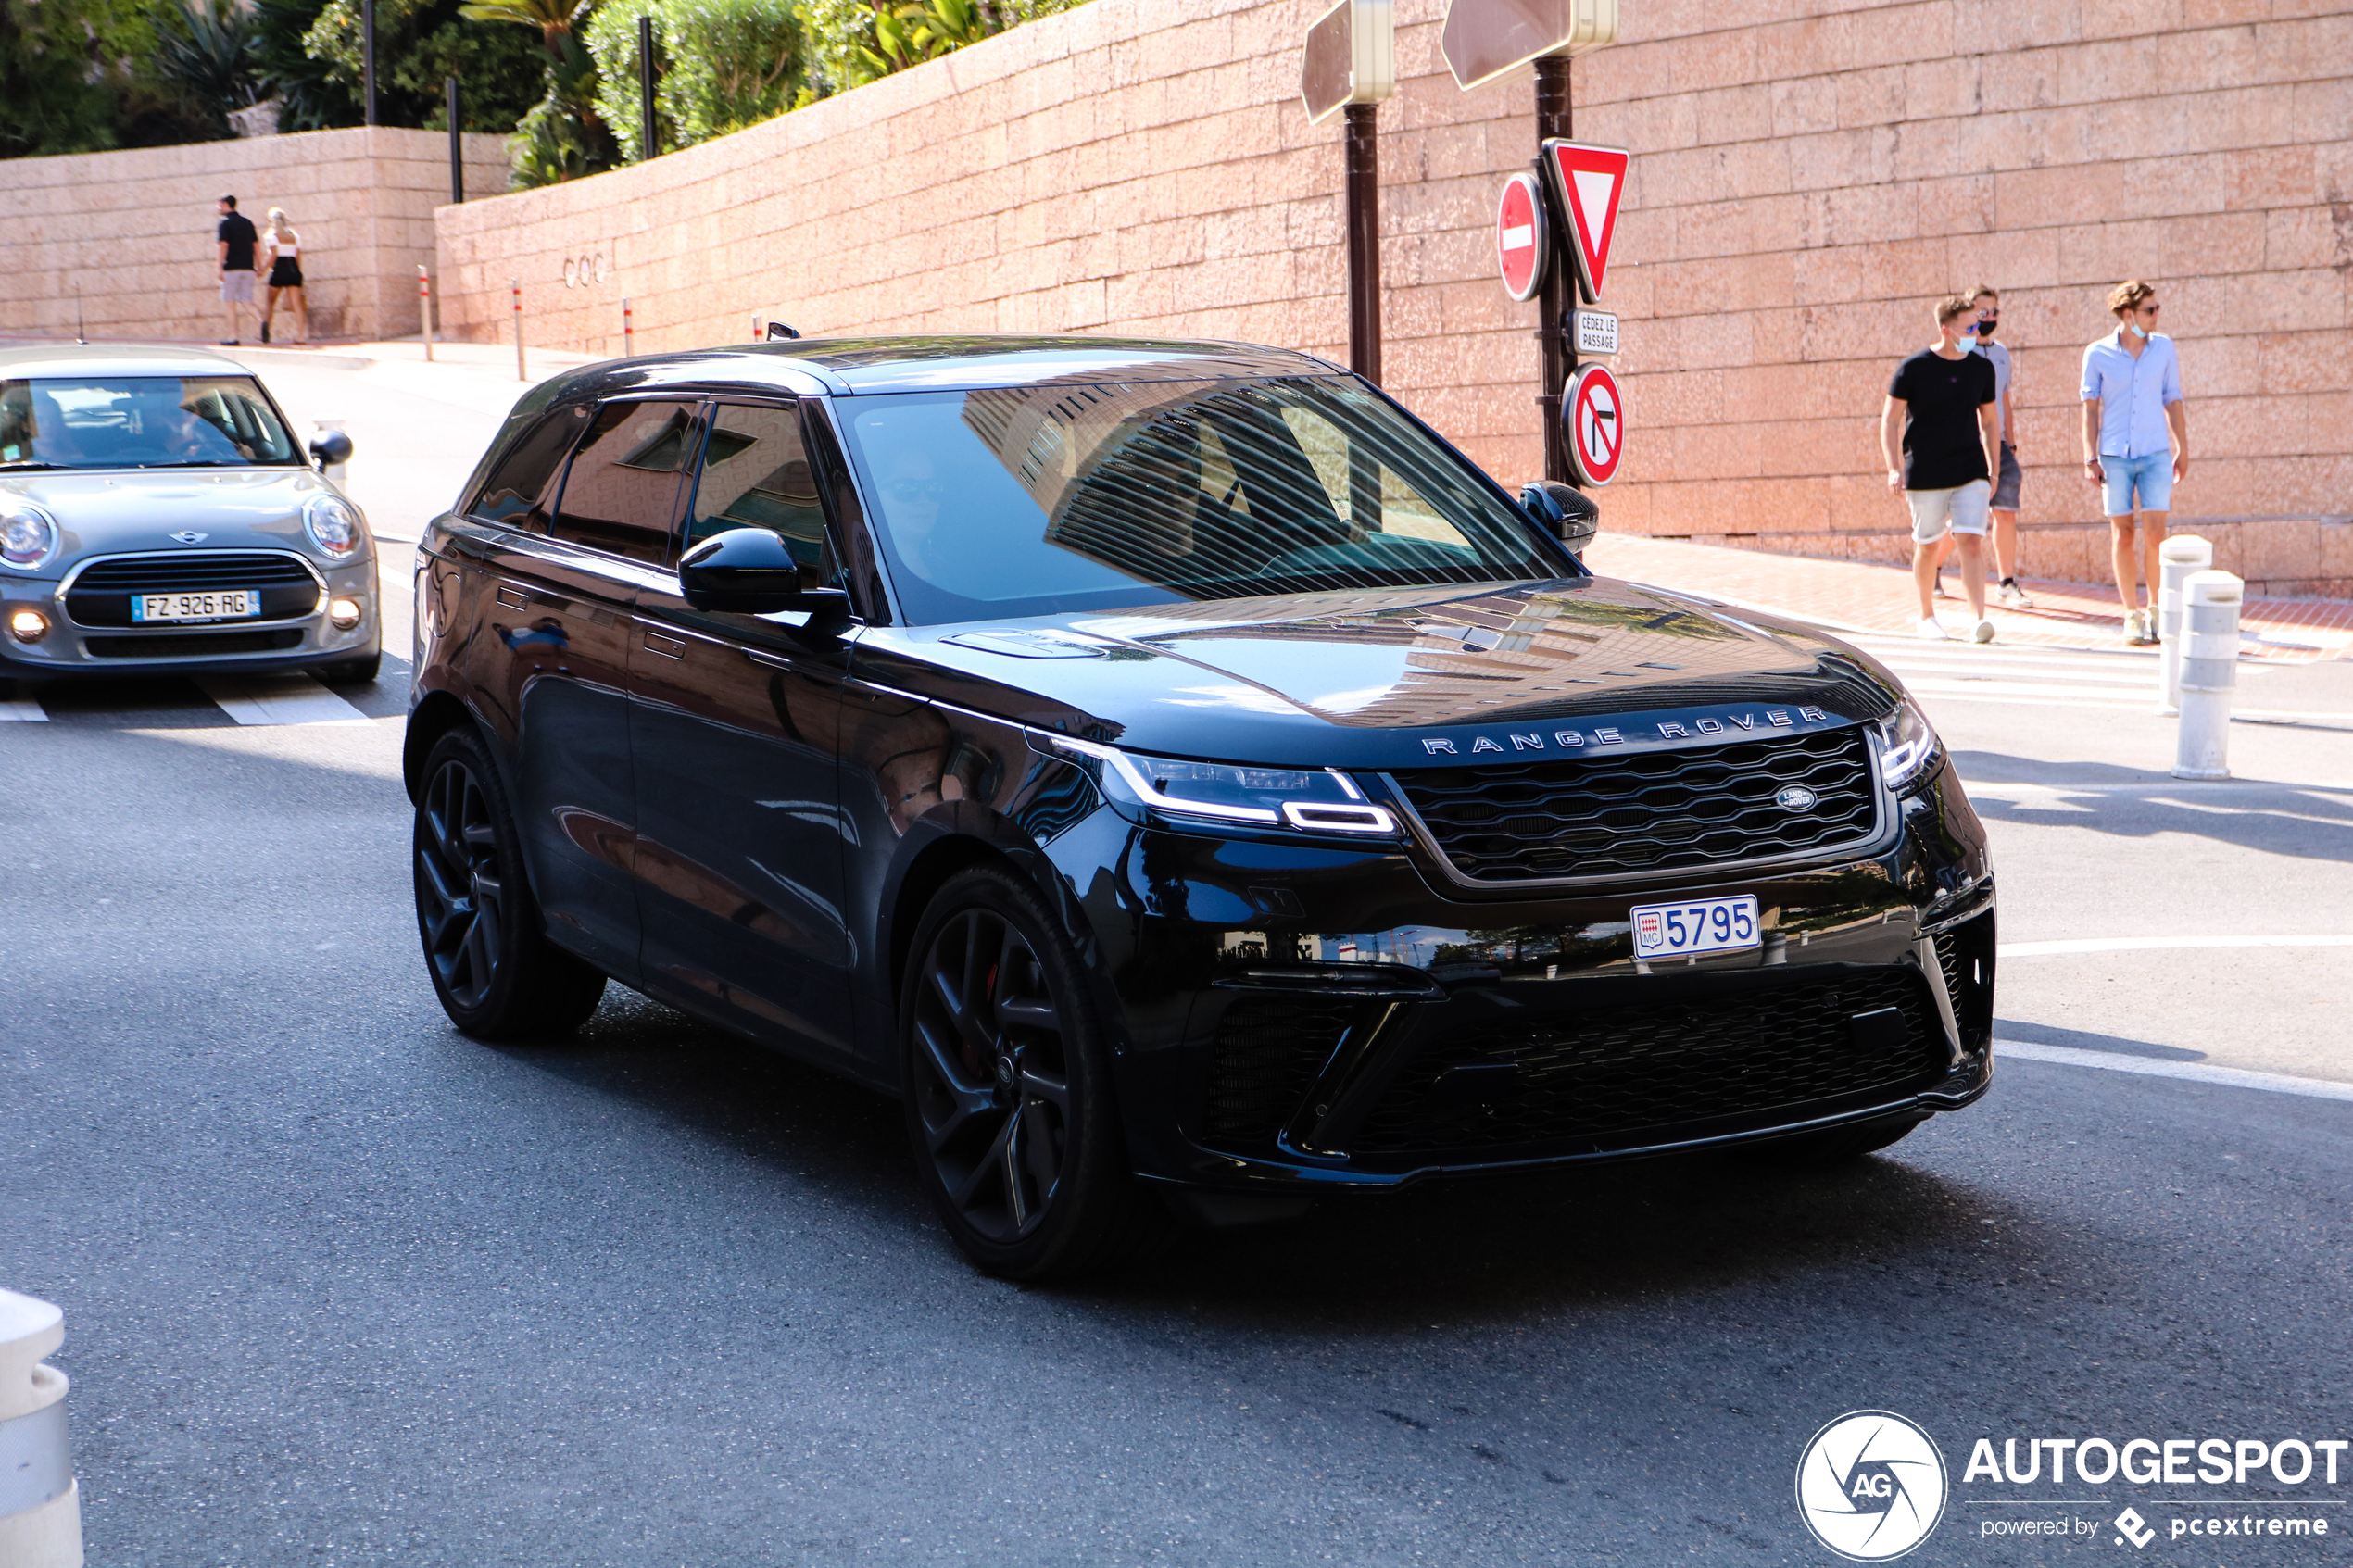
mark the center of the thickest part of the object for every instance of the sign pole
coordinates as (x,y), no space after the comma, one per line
(1559,296)
(456,146)
(367,59)
(645,88)
(1363,244)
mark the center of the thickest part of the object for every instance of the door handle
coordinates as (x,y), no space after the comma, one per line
(669,647)
(770,659)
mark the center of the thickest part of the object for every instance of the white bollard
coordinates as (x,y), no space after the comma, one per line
(2177,557)
(2211,603)
(39,1502)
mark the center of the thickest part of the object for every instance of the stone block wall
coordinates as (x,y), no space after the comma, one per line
(1807,179)
(131,232)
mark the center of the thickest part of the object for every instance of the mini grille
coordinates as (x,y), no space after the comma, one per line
(191,645)
(1637,1069)
(1649,812)
(195,571)
(1269,1051)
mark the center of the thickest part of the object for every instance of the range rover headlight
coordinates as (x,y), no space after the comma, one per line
(28,534)
(334,525)
(1908,748)
(1302,799)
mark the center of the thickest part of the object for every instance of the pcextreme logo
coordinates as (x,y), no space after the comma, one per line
(1870,1485)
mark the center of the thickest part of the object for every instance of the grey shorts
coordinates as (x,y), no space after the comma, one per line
(236,288)
(2005,488)
(1962,510)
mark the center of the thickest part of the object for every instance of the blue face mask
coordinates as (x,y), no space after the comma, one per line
(2138,330)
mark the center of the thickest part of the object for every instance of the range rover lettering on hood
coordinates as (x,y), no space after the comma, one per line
(1654,729)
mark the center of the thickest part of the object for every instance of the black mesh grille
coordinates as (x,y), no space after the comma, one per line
(193,573)
(192,645)
(1651,812)
(1634,1069)
(1965,955)
(1269,1051)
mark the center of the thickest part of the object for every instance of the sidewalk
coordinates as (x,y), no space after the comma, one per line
(1853,596)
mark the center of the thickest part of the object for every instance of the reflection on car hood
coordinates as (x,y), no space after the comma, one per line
(110,511)
(1404,677)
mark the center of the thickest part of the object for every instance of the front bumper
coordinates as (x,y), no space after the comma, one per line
(1296,1018)
(307,641)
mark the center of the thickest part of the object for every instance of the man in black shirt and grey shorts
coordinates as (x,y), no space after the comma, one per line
(1938,434)
(236,237)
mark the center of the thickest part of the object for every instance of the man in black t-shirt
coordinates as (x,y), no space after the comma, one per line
(237,240)
(1939,433)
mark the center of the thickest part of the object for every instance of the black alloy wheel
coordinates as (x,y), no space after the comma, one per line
(497,976)
(1008,1103)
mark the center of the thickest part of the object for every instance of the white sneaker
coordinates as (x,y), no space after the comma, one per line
(1933,631)
(2015,596)
(1984,633)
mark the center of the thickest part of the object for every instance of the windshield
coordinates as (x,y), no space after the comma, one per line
(1034,500)
(140,422)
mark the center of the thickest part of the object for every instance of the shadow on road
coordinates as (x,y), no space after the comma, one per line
(1462,1253)
(2283,818)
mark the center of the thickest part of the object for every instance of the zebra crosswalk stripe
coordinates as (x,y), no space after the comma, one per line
(280,700)
(22,709)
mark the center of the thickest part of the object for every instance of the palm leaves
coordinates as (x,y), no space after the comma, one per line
(554,18)
(207,46)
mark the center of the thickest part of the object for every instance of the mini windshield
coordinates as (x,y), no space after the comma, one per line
(1033,500)
(140,422)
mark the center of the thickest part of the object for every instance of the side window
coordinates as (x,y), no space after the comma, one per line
(518,492)
(755,475)
(621,489)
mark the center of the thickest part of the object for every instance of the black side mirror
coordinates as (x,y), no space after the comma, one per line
(777,333)
(1564,509)
(751,572)
(330,447)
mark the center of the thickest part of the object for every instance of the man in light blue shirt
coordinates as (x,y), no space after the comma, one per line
(2136,440)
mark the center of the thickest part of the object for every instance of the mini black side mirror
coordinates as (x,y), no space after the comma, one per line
(777,333)
(1564,509)
(751,572)
(330,447)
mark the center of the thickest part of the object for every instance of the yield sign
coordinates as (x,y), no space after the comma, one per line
(1521,237)
(1588,180)
(1596,418)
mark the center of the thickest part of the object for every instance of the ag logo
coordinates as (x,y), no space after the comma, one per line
(1870,1485)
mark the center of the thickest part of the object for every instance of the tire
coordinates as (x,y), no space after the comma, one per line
(486,949)
(352,671)
(1837,1146)
(1010,1110)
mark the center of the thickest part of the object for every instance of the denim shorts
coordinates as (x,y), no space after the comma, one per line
(1961,510)
(2005,488)
(2152,476)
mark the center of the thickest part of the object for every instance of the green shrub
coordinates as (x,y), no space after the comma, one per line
(720,64)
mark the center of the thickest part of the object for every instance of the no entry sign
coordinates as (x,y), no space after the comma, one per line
(1596,417)
(1522,238)
(1588,180)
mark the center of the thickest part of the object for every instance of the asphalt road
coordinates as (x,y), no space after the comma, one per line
(343,1286)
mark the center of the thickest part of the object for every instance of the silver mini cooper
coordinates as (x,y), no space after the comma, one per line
(157,515)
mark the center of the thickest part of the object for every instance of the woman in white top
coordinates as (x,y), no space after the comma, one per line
(284,247)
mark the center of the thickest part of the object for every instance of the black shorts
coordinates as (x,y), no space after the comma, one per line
(285,274)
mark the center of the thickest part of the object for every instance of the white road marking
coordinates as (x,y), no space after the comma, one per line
(2152,786)
(279,699)
(2195,1071)
(2154,944)
(22,709)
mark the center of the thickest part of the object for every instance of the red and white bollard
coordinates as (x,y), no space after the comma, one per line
(2210,602)
(40,1501)
(628,330)
(424,309)
(516,285)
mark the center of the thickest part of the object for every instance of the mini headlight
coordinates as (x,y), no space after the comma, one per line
(1305,800)
(332,524)
(1907,746)
(27,534)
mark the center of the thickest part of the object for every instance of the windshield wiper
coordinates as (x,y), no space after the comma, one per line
(195,463)
(21,463)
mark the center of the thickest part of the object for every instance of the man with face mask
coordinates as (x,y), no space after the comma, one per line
(2136,441)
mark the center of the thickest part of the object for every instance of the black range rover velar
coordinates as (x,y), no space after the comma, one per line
(1180,776)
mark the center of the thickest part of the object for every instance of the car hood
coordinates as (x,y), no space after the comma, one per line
(1426,678)
(107,512)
